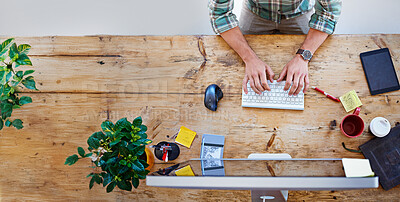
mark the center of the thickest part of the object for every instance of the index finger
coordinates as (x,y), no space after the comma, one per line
(306,83)
(264,82)
(244,84)
(289,78)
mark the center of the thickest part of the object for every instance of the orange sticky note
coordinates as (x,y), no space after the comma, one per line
(185,171)
(185,137)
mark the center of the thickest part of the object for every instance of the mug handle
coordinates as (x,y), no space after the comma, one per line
(357,111)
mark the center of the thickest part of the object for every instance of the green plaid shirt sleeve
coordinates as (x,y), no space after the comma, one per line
(221,16)
(326,15)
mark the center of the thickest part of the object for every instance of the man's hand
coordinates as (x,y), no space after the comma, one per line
(256,72)
(296,73)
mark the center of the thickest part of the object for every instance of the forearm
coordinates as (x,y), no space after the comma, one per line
(314,40)
(235,39)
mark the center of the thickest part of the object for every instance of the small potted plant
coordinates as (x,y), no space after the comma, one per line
(119,154)
(11,79)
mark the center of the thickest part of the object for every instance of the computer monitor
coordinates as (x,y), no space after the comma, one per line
(265,177)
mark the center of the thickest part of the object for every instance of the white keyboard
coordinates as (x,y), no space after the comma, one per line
(277,98)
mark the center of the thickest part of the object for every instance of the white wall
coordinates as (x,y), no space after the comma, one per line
(161,17)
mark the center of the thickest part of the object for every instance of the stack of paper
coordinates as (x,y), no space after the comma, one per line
(357,168)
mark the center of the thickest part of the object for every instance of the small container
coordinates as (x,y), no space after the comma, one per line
(379,126)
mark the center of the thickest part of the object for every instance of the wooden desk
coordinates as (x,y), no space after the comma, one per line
(85,80)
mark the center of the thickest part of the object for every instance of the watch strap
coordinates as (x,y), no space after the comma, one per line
(300,51)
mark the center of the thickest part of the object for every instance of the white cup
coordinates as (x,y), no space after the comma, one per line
(379,126)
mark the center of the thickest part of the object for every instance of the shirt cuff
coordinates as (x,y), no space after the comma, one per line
(322,24)
(224,23)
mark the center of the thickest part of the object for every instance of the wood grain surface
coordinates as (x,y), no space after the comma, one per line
(86,80)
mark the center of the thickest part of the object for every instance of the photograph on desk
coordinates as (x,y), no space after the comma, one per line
(199,100)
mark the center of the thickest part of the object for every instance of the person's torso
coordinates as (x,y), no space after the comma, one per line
(276,10)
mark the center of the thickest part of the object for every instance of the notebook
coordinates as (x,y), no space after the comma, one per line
(384,156)
(379,71)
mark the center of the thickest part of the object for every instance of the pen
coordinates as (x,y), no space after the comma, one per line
(326,94)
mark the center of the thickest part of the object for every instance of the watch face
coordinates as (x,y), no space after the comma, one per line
(307,55)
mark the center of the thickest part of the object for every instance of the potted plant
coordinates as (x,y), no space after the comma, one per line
(11,57)
(119,154)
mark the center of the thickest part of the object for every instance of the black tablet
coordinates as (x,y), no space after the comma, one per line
(379,71)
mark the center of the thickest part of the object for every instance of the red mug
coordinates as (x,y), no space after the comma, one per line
(352,125)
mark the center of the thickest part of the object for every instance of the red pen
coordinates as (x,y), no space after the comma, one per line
(326,94)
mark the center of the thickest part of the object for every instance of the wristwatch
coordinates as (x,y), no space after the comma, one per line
(306,54)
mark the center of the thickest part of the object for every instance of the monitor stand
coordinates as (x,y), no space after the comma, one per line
(269,195)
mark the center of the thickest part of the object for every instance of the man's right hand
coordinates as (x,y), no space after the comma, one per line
(257,73)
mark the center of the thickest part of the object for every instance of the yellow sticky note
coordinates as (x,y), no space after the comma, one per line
(185,171)
(350,100)
(185,137)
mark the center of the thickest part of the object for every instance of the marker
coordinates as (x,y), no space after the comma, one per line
(326,94)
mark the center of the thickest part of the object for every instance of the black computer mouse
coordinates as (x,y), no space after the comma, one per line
(212,95)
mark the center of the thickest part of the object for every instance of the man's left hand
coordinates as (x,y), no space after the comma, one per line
(296,73)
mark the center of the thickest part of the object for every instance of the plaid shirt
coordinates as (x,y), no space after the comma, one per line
(324,19)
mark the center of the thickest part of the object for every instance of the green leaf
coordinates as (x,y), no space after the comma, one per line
(8,123)
(93,142)
(123,170)
(138,150)
(143,128)
(14,83)
(122,162)
(24,48)
(25,100)
(107,126)
(81,151)
(123,124)
(144,163)
(27,72)
(29,83)
(107,179)
(137,166)
(6,77)
(88,154)
(17,123)
(116,141)
(23,59)
(13,52)
(99,135)
(91,183)
(97,179)
(124,185)
(112,160)
(71,160)
(5,46)
(3,75)
(141,176)
(137,122)
(111,187)
(145,141)
(114,170)
(135,182)
(142,134)
(6,109)
(1,124)
(19,73)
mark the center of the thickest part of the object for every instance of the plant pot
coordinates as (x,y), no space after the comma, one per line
(148,157)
